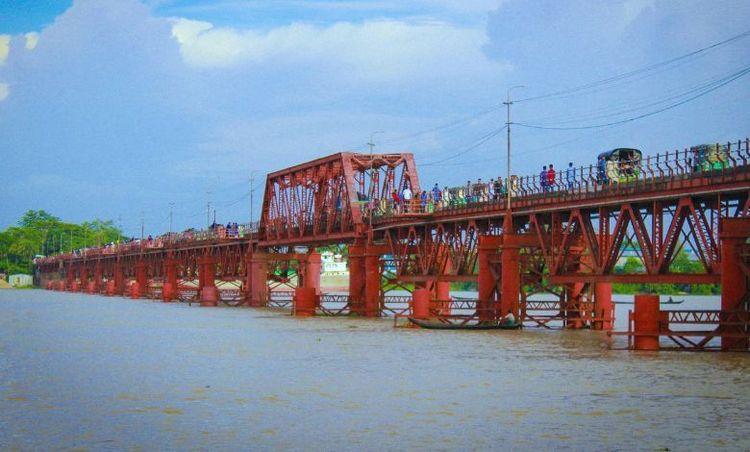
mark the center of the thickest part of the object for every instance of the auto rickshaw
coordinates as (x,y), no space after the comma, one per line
(708,157)
(619,165)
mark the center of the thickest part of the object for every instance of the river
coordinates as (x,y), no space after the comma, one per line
(91,372)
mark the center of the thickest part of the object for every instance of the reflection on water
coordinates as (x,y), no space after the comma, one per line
(82,371)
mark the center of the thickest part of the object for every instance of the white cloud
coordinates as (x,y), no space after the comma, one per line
(380,50)
(4,91)
(32,39)
(4,47)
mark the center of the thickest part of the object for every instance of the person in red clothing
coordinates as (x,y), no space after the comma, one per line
(396,200)
(551,178)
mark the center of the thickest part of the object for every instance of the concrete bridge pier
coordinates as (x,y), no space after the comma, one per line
(256,279)
(170,288)
(140,285)
(119,280)
(510,279)
(83,273)
(357,279)
(603,307)
(733,233)
(209,294)
(373,280)
(488,277)
(307,295)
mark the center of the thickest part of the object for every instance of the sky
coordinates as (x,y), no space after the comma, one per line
(119,109)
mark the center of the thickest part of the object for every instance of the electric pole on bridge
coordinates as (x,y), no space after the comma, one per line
(171,206)
(208,209)
(508,186)
(252,198)
(371,143)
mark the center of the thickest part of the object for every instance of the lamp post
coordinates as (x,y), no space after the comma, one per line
(371,143)
(508,103)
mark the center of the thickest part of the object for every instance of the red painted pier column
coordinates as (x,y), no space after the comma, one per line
(70,276)
(646,320)
(140,285)
(603,306)
(373,289)
(305,301)
(257,279)
(312,271)
(510,279)
(119,280)
(733,233)
(487,289)
(443,297)
(95,286)
(209,294)
(170,288)
(357,279)
(84,275)
(420,303)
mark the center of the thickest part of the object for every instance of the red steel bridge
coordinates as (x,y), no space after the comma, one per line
(550,259)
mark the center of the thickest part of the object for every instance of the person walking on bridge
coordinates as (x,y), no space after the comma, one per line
(570,176)
(551,178)
(407,195)
(543,178)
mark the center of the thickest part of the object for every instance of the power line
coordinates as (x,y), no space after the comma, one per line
(650,102)
(478,143)
(625,75)
(713,88)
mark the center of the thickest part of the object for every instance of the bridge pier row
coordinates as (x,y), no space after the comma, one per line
(209,294)
(488,287)
(256,279)
(733,233)
(357,279)
(170,288)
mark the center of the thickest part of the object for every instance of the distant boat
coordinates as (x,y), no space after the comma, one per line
(669,301)
(489,325)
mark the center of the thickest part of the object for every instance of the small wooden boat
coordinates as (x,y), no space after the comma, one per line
(433,324)
(670,301)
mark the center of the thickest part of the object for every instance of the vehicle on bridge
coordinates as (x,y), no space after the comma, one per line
(708,157)
(619,165)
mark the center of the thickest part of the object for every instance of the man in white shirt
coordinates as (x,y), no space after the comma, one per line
(407,198)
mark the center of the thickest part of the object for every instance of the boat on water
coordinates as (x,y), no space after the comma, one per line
(670,301)
(436,324)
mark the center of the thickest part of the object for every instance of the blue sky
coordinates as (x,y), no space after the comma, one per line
(116,108)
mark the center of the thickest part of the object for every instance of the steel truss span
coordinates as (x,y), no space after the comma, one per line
(549,260)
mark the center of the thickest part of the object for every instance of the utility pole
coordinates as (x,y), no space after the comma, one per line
(371,143)
(508,186)
(208,209)
(171,206)
(143,224)
(252,199)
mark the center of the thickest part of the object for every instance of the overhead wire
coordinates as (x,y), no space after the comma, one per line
(615,78)
(727,80)
(478,143)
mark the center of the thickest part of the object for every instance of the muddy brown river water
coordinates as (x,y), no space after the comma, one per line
(89,372)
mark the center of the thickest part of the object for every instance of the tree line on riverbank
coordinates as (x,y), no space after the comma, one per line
(39,233)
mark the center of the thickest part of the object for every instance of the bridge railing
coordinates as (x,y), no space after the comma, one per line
(243,230)
(713,160)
